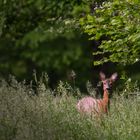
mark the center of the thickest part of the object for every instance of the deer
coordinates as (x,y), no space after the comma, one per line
(93,106)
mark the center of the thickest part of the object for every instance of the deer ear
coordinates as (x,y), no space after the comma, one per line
(102,76)
(114,76)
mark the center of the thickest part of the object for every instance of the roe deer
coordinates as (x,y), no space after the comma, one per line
(92,106)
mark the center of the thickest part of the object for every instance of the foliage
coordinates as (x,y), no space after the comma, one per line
(117,25)
(131,88)
(23,115)
(41,35)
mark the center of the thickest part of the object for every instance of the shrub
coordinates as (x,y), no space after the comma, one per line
(25,115)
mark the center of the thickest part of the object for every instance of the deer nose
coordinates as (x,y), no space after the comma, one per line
(107,87)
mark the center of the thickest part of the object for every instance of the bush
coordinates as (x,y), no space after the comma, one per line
(29,116)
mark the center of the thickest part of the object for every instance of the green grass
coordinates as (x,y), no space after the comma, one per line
(25,116)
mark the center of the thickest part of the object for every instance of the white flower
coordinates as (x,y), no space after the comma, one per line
(129,79)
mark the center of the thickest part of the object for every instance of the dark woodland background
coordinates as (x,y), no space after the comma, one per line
(46,36)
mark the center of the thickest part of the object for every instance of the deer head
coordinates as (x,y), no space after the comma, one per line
(107,82)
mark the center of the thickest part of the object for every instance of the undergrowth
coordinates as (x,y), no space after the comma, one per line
(51,114)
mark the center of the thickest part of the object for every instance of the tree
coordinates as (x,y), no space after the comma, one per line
(116,25)
(44,35)
(28,30)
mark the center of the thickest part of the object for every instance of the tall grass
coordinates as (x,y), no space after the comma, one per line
(26,116)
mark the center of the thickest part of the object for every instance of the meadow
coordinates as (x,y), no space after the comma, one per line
(51,114)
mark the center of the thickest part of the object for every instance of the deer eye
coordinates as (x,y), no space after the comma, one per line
(110,82)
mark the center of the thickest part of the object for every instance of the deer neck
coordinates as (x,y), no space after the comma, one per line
(106,97)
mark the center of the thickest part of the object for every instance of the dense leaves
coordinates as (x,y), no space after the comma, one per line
(41,35)
(117,25)
(46,36)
